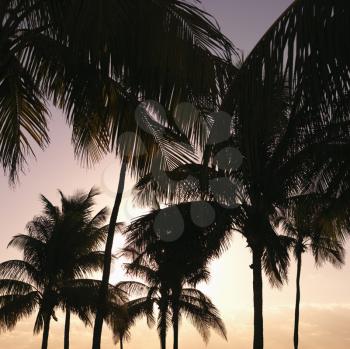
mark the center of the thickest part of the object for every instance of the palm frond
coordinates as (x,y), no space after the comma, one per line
(14,287)
(20,270)
(133,287)
(23,115)
(16,307)
(276,259)
(202,313)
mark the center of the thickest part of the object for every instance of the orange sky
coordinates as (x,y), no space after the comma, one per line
(325,314)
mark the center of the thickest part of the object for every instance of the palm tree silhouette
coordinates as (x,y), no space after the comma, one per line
(84,235)
(170,289)
(279,148)
(230,193)
(154,241)
(306,221)
(60,248)
(99,83)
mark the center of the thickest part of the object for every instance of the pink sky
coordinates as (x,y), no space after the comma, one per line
(325,292)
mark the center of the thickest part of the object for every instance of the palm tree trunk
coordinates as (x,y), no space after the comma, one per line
(176,329)
(258,300)
(163,309)
(163,332)
(66,329)
(175,319)
(46,331)
(96,342)
(297,303)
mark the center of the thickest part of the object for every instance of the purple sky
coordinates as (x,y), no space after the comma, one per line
(245,21)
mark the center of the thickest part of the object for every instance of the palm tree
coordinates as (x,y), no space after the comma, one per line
(100,82)
(83,235)
(307,224)
(279,147)
(220,180)
(289,103)
(155,240)
(61,246)
(169,290)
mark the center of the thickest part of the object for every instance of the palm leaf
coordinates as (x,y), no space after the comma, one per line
(15,307)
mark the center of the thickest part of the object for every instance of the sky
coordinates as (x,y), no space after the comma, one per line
(325,310)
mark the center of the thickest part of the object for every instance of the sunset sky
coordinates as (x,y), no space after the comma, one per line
(325,310)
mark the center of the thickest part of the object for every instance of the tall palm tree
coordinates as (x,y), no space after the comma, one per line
(279,148)
(98,78)
(306,222)
(83,236)
(281,139)
(172,295)
(220,180)
(61,246)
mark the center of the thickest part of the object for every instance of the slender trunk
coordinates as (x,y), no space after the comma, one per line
(258,300)
(163,331)
(176,328)
(96,342)
(66,329)
(163,309)
(175,319)
(47,308)
(46,331)
(121,343)
(297,303)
